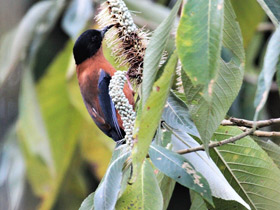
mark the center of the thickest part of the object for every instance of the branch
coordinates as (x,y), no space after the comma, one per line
(217,144)
(262,133)
(249,124)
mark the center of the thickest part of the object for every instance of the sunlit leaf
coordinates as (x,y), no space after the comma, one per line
(154,51)
(199,39)
(207,114)
(179,169)
(269,68)
(249,15)
(151,113)
(220,188)
(272,9)
(142,194)
(248,169)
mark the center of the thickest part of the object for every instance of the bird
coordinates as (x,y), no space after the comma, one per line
(94,73)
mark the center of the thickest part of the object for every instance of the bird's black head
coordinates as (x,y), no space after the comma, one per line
(88,44)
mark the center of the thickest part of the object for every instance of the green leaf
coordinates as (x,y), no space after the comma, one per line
(176,114)
(88,203)
(207,114)
(197,202)
(142,194)
(249,15)
(12,171)
(220,188)
(106,195)
(272,9)
(272,149)
(34,139)
(150,117)
(178,168)
(167,186)
(155,50)
(248,169)
(43,16)
(62,132)
(199,39)
(271,60)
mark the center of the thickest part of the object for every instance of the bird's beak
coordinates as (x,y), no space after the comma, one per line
(105,29)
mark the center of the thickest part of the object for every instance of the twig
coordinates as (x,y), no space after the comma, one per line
(262,133)
(249,124)
(265,27)
(217,144)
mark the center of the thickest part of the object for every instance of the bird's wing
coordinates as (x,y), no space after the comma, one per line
(107,105)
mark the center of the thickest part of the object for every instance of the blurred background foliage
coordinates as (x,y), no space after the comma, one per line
(51,153)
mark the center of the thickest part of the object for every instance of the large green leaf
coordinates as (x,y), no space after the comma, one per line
(144,193)
(106,195)
(272,149)
(33,28)
(176,114)
(62,123)
(272,9)
(147,122)
(249,15)
(199,39)
(34,138)
(155,50)
(220,188)
(179,169)
(207,114)
(248,169)
(271,60)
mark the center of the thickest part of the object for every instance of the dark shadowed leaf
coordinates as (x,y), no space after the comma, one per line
(179,169)
(248,168)
(176,114)
(199,39)
(154,51)
(197,202)
(269,68)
